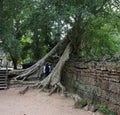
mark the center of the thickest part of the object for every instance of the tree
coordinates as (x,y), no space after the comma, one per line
(41,24)
(80,16)
(13,16)
(1,19)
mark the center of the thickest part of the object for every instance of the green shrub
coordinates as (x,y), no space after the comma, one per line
(103,109)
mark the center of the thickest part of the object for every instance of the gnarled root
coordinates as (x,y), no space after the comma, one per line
(23,91)
(37,67)
(53,79)
(58,86)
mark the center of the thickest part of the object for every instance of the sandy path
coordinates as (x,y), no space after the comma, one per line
(35,103)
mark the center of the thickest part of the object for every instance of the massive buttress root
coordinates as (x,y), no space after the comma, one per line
(53,79)
(62,50)
(36,69)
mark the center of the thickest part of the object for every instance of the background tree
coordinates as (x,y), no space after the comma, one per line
(85,24)
(46,22)
(80,16)
(42,25)
(14,15)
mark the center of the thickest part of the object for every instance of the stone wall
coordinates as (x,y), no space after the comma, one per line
(97,80)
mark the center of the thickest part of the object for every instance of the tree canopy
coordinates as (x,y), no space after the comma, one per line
(30,28)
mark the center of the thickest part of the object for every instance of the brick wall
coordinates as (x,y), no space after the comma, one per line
(97,80)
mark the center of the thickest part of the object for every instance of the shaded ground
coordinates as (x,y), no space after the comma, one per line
(36,103)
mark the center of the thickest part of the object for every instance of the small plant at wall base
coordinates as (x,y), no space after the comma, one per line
(80,104)
(103,109)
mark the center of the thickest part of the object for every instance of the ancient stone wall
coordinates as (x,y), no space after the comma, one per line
(98,80)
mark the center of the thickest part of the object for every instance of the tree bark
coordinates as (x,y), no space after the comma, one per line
(37,67)
(15,63)
(1,20)
(54,78)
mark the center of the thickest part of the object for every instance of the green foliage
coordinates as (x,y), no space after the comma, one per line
(41,24)
(103,39)
(34,27)
(104,110)
(25,46)
(14,15)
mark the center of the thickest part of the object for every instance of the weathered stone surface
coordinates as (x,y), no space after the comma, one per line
(99,81)
(115,108)
(115,98)
(114,87)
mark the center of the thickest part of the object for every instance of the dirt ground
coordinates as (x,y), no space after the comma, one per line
(36,103)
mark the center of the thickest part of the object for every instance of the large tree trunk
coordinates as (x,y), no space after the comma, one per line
(61,50)
(36,69)
(53,79)
(15,63)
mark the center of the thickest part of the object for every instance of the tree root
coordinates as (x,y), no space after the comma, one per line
(38,65)
(23,91)
(63,89)
(57,86)
(53,79)
(53,90)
